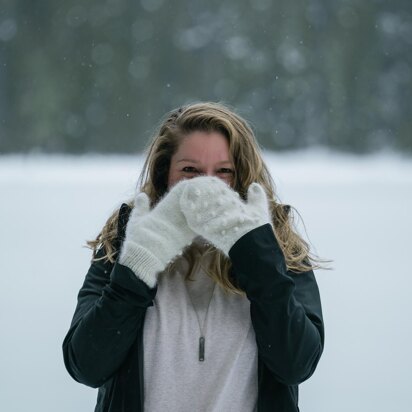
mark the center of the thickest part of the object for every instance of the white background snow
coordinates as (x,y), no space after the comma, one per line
(357,211)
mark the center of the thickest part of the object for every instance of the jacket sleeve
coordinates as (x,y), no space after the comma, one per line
(110,310)
(285,307)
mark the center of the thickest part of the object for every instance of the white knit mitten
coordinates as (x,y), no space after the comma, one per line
(154,237)
(217,213)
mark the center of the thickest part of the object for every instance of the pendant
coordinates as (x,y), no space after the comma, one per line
(201,349)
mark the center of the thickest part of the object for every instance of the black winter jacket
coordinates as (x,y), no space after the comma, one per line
(104,345)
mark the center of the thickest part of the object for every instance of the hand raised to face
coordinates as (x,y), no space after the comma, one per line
(155,236)
(216,212)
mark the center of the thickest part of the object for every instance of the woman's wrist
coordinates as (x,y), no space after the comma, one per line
(141,261)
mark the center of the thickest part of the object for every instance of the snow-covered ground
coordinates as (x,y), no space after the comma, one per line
(356,211)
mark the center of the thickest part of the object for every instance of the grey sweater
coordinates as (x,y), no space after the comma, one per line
(174,378)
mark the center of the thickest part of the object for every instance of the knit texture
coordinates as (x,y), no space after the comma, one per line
(217,213)
(154,237)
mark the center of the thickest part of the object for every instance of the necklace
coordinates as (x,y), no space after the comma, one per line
(202,326)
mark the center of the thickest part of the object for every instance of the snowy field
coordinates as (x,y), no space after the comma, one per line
(357,211)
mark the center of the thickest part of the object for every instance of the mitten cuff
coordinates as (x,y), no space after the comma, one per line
(143,263)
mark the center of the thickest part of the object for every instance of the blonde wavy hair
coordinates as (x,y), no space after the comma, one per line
(249,167)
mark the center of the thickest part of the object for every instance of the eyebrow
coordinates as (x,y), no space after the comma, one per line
(195,161)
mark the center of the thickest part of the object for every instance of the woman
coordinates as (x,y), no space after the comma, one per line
(200,295)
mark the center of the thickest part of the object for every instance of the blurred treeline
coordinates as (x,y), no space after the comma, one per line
(98,75)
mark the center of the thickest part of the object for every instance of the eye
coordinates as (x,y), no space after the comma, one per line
(225,170)
(189,169)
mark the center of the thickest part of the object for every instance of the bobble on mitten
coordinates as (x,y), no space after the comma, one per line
(217,213)
(154,237)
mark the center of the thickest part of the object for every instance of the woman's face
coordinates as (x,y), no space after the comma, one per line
(202,153)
